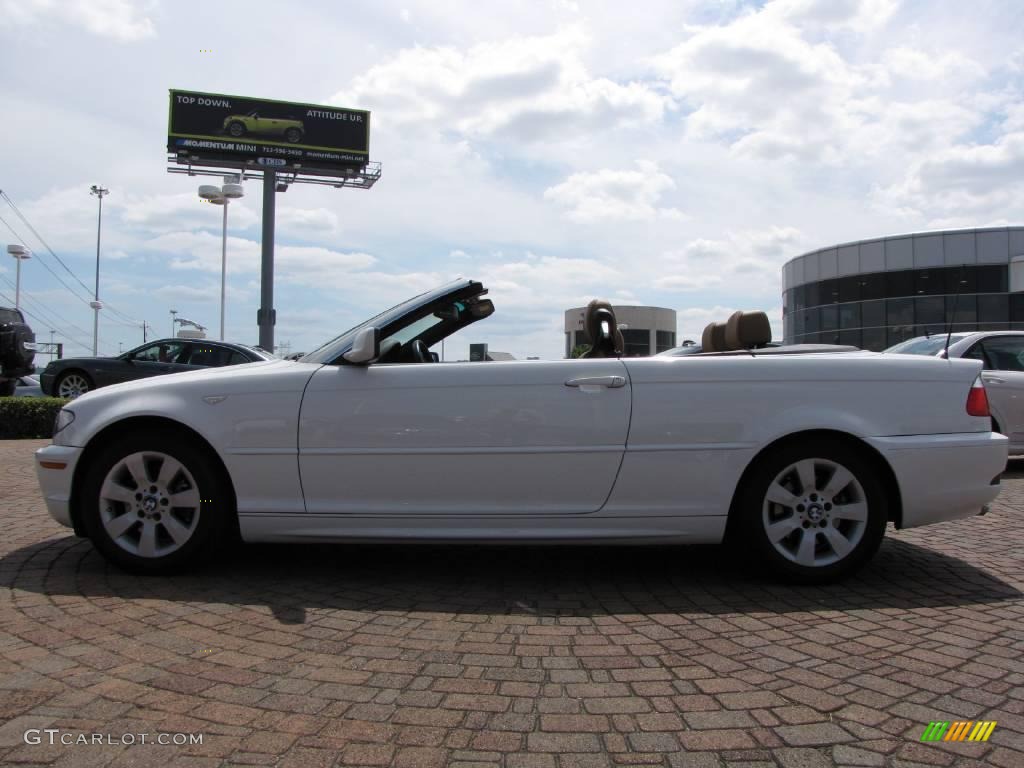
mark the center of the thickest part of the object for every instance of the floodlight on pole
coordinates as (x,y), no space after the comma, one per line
(99,192)
(223,195)
(20,253)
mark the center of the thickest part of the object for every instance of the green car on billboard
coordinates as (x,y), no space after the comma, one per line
(239,125)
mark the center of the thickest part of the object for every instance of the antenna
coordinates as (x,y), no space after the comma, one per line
(956,298)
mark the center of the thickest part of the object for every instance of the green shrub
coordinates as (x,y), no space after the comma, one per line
(23,417)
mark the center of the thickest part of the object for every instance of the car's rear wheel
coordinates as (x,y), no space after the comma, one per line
(155,503)
(814,511)
(236,129)
(293,135)
(7,387)
(73,384)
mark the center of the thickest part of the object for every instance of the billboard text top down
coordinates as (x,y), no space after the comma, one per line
(210,126)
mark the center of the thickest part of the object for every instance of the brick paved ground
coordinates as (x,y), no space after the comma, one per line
(510,657)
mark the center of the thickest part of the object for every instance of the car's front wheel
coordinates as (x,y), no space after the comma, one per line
(814,511)
(73,384)
(236,129)
(154,503)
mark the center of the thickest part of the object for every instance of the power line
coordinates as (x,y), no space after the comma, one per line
(42,320)
(39,237)
(126,320)
(35,302)
(47,315)
(43,263)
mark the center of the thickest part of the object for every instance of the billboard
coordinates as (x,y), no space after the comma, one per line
(213,126)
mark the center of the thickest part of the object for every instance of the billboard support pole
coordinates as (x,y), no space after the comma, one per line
(265,316)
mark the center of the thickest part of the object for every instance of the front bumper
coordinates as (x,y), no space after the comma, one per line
(55,467)
(944,477)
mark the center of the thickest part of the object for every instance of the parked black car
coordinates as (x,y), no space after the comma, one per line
(17,349)
(75,376)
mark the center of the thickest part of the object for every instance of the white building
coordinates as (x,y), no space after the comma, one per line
(645,330)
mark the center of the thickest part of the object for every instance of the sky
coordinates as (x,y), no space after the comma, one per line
(663,153)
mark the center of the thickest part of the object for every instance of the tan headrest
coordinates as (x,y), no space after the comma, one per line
(747,330)
(707,343)
(713,338)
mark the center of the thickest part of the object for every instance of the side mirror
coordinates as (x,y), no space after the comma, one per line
(365,348)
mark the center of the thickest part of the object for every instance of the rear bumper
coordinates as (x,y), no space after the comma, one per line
(55,482)
(46,383)
(944,477)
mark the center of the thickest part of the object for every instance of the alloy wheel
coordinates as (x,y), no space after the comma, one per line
(149,504)
(815,512)
(72,386)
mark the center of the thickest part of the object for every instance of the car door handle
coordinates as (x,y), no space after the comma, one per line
(993,380)
(612,382)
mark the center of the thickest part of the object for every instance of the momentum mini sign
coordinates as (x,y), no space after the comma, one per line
(210,126)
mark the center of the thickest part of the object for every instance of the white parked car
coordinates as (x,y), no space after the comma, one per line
(28,386)
(801,457)
(1002,357)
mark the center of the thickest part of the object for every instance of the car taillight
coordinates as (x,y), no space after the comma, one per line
(977,400)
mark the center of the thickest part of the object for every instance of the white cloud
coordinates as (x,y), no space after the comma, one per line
(687,282)
(916,64)
(609,194)
(747,261)
(121,20)
(772,88)
(521,89)
(202,251)
(306,222)
(860,15)
(963,185)
(168,213)
(208,293)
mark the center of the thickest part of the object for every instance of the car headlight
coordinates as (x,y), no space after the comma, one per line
(64,418)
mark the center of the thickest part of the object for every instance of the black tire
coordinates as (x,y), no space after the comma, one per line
(90,385)
(294,135)
(236,129)
(216,514)
(7,387)
(754,512)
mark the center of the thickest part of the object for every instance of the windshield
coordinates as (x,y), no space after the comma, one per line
(333,349)
(925,345)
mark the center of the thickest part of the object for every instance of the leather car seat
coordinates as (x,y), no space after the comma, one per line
(747,330)
(602,330)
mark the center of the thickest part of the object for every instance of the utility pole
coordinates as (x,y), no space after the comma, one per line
(95,303)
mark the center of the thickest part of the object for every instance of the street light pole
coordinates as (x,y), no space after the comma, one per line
(223,195)
(95,303)
(174,317)
(20,253)
(223,264)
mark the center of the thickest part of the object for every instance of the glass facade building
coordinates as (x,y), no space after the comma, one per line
(876,293)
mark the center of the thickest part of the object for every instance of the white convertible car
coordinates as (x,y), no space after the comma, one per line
(802,455)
